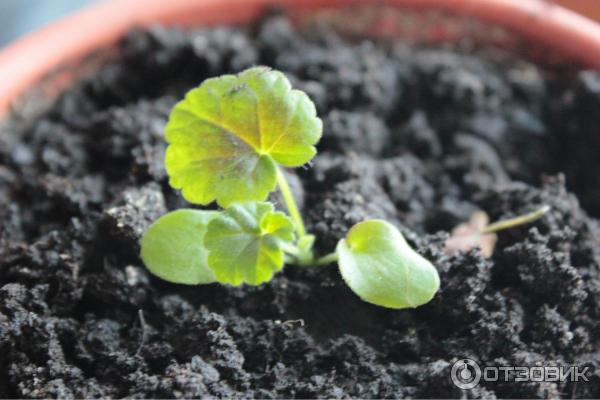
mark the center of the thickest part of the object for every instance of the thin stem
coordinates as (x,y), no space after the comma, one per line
(289,259)
(290,203)
(327,259)
(291,250)
(520,220)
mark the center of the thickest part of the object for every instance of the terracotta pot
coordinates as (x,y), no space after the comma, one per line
(534,26)
(589,8)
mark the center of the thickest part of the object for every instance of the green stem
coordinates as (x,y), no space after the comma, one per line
(520,220)
(290,203)
(289,259)
(327,259)
(291,250)
(302,252)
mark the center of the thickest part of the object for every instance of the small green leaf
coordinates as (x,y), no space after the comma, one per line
(381,268)
(245,243)
(173,247)
(228,135)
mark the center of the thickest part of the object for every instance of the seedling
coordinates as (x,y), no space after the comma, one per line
(228,140)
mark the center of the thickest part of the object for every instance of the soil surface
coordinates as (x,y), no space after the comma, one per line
(422,137)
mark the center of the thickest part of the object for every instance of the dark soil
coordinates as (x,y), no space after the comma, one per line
(421,137)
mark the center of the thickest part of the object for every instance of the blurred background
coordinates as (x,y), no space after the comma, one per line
(19,17)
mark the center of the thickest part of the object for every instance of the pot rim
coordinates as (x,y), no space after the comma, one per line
(567,33)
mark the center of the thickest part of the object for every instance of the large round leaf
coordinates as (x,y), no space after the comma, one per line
(381,268)
(173,247)
(227,136)
(245,243)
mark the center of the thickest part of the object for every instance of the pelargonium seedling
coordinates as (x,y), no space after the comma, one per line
(228,142)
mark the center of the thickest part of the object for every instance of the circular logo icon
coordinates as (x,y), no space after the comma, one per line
(465,373)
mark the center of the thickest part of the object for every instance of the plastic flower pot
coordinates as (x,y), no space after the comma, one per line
(548,32)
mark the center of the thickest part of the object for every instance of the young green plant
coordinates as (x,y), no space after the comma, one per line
(229,141)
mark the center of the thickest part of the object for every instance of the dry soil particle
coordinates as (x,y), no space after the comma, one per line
(420,137)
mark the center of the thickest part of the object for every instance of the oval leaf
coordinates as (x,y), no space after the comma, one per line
(381,268)
(245,243)
(227,136)
(173,247)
